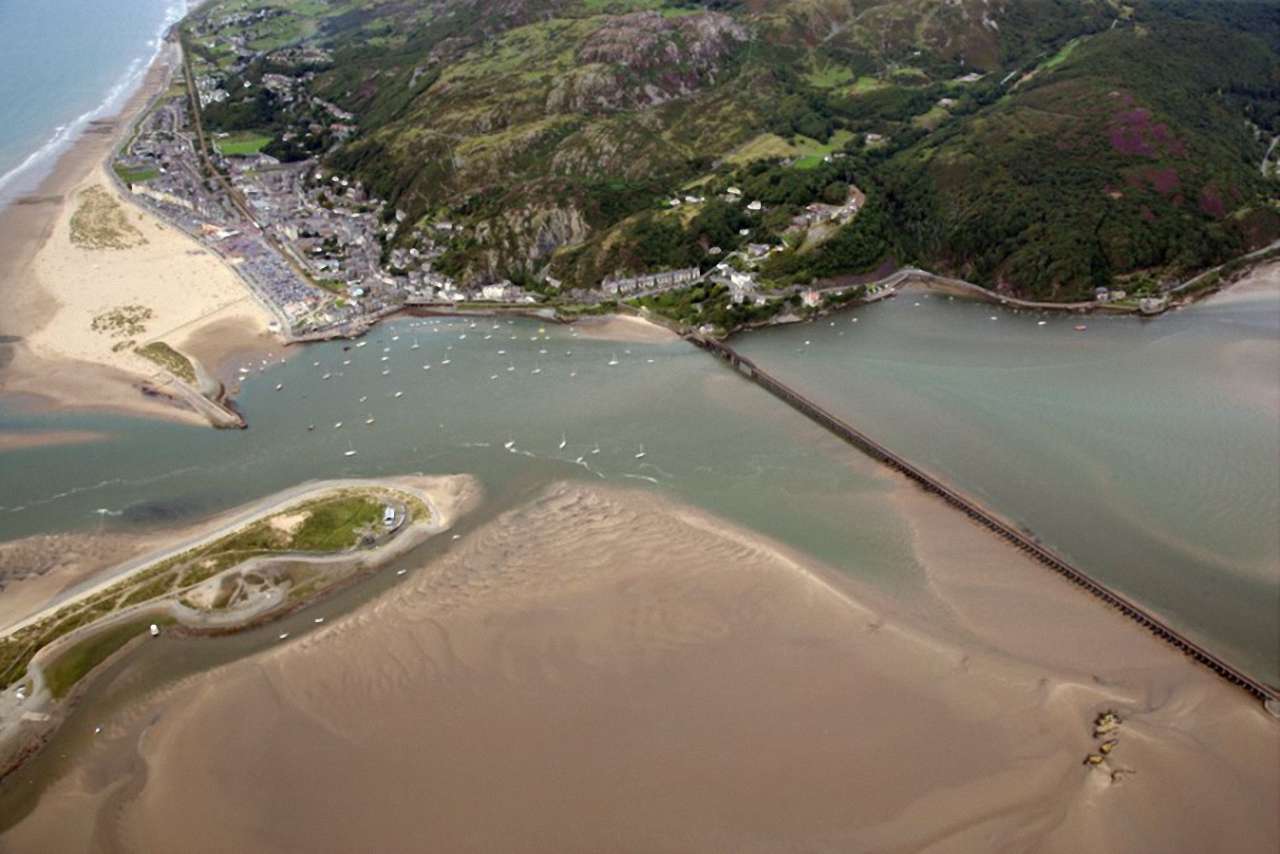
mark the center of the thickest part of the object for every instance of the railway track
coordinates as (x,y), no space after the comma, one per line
(1024,540)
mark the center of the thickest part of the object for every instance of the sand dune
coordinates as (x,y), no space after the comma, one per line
(600,671)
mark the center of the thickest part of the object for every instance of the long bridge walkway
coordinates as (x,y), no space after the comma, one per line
(1023,540)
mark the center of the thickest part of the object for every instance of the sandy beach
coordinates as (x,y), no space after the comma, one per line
(622,327)
(603,670)
(77,309)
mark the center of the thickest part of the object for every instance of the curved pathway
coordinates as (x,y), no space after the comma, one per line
(252,513)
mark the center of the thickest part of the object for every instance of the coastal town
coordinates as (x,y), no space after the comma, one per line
(326,257)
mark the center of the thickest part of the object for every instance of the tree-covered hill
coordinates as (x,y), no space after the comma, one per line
(1040,146)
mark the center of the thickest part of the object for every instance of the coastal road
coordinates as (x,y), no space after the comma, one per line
(253,512)
(1267,157)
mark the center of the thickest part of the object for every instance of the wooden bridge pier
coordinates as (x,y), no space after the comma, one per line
(1024,540)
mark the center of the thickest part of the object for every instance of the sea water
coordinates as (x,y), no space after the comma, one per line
(63,64)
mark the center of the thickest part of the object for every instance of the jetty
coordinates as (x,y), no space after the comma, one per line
(1024,540)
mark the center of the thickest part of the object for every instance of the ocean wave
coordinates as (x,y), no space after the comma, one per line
(65,134)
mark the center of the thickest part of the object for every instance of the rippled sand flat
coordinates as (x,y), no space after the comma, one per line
(602,671)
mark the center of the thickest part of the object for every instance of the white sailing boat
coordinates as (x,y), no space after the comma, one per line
(563,441)
(640,454)
(613,360)
(350,452)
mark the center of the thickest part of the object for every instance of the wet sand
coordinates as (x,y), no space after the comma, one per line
(15,441)
(603,670)
(623,327)
(33,570)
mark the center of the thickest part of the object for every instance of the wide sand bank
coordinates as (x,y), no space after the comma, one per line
(600,670)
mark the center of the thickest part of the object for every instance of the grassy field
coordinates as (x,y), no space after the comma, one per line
(100,223)
(169,359)
(242,143)
(809,152)
(337,525)
(930,120)
(829,76)
(70,667)
(1061,56)
(135,176)
(866,84)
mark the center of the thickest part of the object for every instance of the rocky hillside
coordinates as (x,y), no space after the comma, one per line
(1042,146)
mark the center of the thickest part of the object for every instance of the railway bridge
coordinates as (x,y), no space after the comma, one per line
(1022,539)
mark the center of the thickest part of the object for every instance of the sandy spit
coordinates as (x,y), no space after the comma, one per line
(600,670)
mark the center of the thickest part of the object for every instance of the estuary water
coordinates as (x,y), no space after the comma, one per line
(64,63)
(1146,450)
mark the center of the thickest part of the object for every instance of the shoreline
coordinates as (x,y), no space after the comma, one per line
(47,358)
(445,499)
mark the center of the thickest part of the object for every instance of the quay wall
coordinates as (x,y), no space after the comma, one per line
(1024,540)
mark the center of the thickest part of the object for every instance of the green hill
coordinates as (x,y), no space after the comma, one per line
(1041,146)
